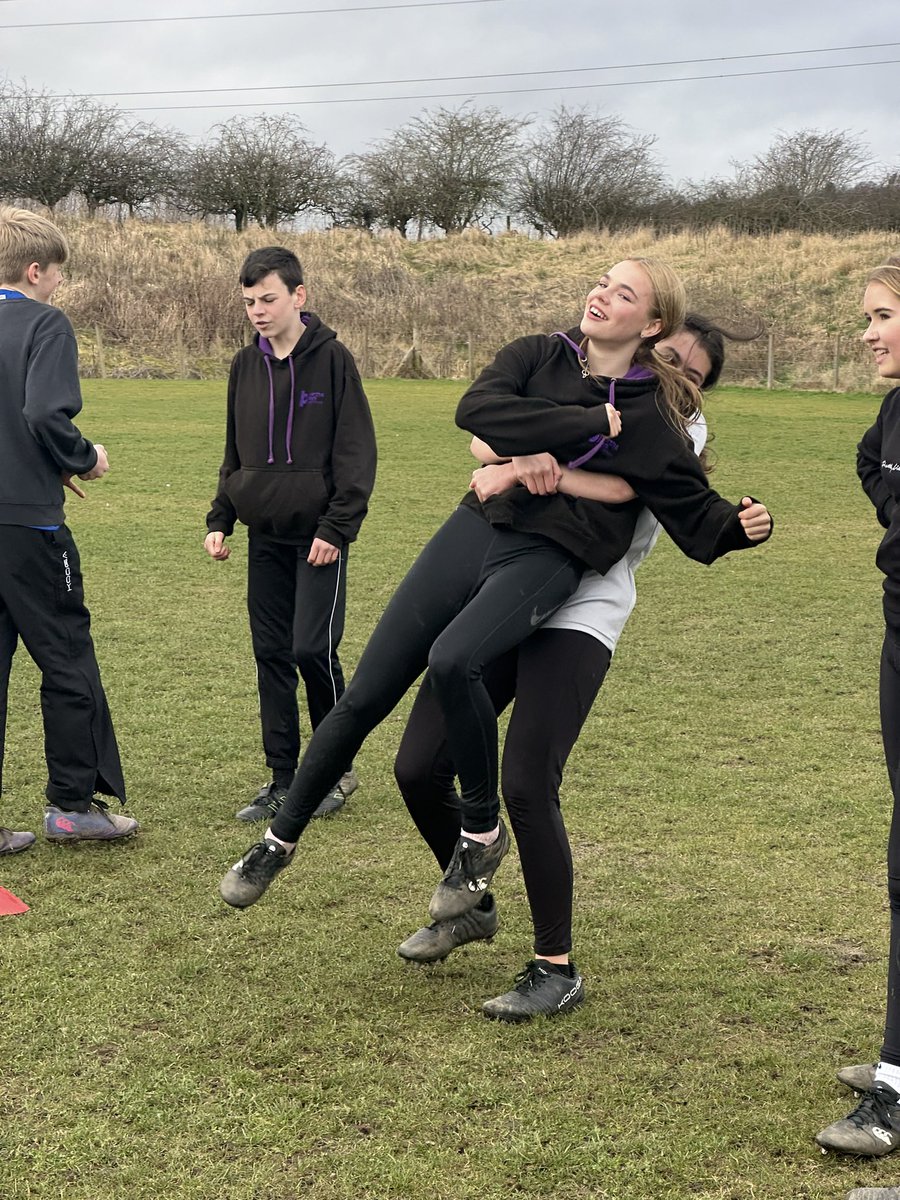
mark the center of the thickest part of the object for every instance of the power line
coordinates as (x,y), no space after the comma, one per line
(293,12)
(570,87)
(294,87)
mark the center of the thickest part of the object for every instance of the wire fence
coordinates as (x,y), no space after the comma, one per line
(838,363)
(835,364)
(832,364)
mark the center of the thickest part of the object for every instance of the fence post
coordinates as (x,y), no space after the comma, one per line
(471,358)
(770,364)
(366,370)
(101,357)
(179,351)
(837,363)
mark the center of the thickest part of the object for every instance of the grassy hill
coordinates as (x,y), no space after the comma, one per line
(161,300)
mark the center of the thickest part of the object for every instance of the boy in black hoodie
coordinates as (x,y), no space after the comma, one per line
(298,470)
(41,591)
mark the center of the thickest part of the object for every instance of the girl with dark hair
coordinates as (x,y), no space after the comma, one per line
(502,565)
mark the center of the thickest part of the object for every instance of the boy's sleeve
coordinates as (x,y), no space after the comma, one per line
(498,409)
(53,398)
(868,468)
(221,517)
(353,459)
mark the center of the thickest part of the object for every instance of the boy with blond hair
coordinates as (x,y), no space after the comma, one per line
(41,591)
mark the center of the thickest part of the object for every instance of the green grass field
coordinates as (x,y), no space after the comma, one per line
(728,809)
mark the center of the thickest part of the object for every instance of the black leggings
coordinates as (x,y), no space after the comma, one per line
(890,732)
(554,677)
(472,594)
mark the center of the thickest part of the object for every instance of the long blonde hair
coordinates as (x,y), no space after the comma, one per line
(681,398)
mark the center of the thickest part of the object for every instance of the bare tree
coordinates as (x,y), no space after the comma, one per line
(803,182)
(352,206)
(807,162)
(47,142)
(135,165)
(384,187)
(461,161)
(585,171)
(262,169)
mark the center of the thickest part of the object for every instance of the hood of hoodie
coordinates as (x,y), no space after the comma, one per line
(635,373)
(315,333)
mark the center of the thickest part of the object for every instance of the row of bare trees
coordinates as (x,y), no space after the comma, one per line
(446,170)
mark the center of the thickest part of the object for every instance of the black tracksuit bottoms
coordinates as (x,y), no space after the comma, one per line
(889,693)
(473,593)
(554,678)
(296,624)
(42,602)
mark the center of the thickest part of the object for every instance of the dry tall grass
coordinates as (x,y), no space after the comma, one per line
(162,300)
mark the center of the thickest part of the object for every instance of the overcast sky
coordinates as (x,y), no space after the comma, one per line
(701,125)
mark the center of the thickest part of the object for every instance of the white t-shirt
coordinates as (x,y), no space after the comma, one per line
(603,603)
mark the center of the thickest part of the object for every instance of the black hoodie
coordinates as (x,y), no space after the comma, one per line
(39,396)
(299,443)
(534,398)
(878,467)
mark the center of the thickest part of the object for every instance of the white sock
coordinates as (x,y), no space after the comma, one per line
(486,839)
(289,846)
(888,1073)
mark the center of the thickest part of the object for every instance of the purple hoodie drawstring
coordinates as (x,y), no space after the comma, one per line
(600,443)
(265,349)
(290,420)
(268,363)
